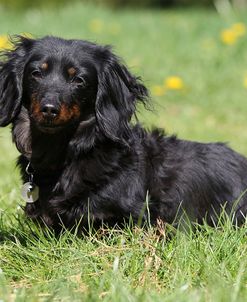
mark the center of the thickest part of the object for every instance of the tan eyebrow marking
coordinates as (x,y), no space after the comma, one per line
(71,71)
(44,66)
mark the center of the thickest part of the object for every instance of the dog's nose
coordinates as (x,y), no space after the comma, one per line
(49,111)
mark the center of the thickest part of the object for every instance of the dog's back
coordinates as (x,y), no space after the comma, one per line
(201,179)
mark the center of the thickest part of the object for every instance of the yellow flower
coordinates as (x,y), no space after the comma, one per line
(96,26)
(4,42)
(239,29)
(228,36)
(158,90)
(174,83)
(245,82)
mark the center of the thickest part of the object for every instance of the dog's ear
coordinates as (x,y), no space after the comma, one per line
(117,96)
(11,76)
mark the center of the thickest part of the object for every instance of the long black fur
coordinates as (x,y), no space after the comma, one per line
(100,165)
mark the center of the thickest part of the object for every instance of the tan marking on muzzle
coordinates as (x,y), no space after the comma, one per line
(67,113)
(36,108)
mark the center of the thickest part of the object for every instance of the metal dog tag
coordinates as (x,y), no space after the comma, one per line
(30,192)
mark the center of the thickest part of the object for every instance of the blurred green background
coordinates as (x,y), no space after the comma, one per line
(192,56)
(21,4)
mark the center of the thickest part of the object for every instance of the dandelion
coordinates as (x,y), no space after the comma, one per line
(158,90)
(239,29)
(174,83)
(4,42)
(245,82)
(228,36)
(96,26)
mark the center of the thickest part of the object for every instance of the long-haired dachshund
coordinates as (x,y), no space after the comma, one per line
(70,103)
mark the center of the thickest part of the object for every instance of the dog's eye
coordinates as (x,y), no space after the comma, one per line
(80,81)
(37,74)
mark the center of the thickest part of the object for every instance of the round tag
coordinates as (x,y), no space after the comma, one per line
(30,192)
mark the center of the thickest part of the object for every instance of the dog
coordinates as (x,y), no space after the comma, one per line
(70,104)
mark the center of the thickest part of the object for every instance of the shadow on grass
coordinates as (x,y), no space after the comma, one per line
(19,229)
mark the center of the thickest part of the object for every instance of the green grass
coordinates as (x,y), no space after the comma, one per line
(134,264)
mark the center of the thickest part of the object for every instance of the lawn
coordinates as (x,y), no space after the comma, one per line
(195,64)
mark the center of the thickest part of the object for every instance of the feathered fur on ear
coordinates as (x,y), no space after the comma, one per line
(11,75)
(118,93)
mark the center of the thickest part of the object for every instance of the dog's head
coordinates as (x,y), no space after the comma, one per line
(67,83)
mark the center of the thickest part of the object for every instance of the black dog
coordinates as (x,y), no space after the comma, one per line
(70,103)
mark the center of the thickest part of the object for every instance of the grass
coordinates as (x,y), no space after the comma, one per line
(119,265)
(136,264)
